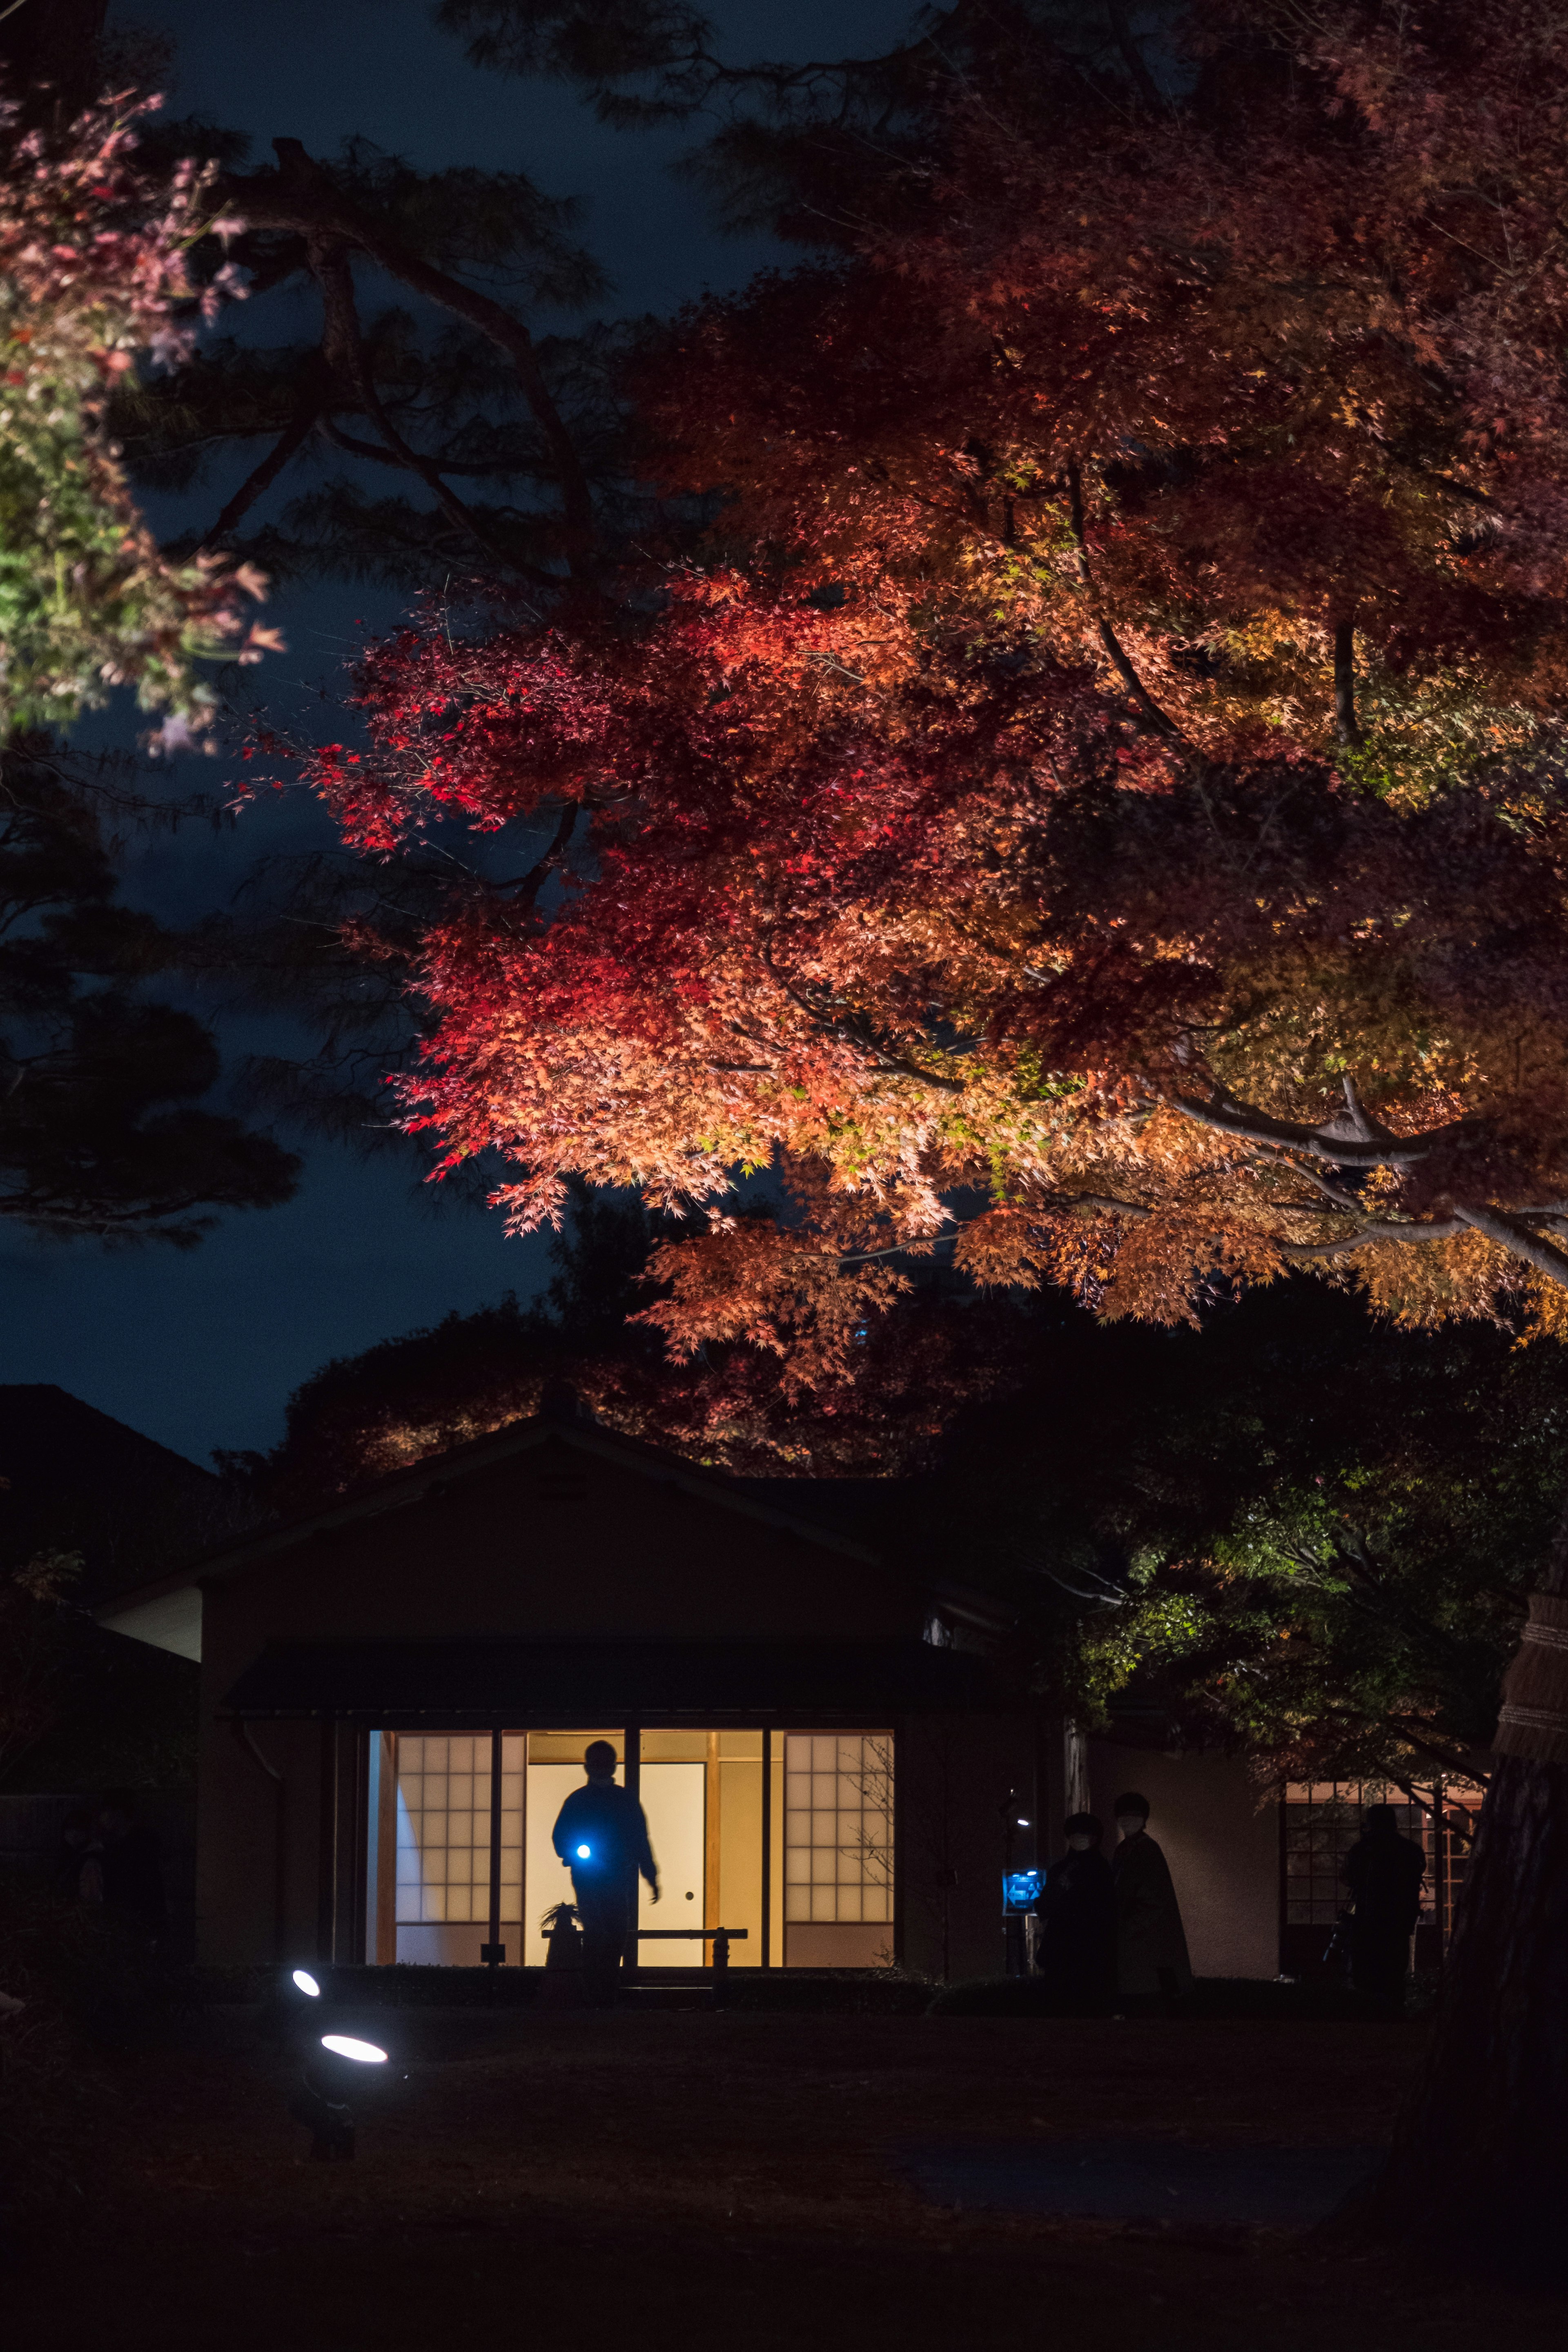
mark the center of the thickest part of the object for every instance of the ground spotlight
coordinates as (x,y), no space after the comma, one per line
(320,2103)
(306,1982)
(343,2045)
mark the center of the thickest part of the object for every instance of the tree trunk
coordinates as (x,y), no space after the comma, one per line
(1479,2166)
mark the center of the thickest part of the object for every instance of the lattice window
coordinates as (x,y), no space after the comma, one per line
(1324,1820)
(838,1826)
(444,1827)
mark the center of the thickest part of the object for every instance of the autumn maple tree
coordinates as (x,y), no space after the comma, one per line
(1093,799)
(93,274)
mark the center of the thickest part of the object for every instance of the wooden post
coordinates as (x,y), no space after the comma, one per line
(385,1831)
(494,1952)
(327,1844)
(631,1776)
(767,1848)
(361,1926)
(710,1836)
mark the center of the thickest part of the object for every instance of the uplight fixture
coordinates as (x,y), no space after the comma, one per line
(306,1983)
(343,2045)
(320,2103)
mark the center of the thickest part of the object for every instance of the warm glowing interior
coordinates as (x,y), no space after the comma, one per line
(830,1899)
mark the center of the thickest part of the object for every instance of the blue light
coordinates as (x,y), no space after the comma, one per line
(582,1852)
(1022,1888)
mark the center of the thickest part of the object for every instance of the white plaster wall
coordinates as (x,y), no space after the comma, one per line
(1221,1843)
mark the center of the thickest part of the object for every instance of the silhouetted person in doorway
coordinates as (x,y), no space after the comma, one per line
(1384,1872)
(79,1868)
(600,1834)
(1150,1945)
(1077,1912)
(132,1868)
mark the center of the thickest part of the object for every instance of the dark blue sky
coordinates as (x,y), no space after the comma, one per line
(202,1350)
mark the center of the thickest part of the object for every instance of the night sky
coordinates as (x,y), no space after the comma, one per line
(202,1350)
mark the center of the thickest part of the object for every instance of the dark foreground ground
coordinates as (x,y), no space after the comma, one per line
(681,2179)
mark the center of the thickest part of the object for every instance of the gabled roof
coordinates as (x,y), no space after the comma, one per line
(76,1479)
(167,1611)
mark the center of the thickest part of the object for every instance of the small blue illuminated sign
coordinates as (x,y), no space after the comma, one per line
(1023,1888)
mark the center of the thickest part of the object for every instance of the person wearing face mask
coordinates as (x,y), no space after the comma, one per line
(1077,1911)
(1151,1946)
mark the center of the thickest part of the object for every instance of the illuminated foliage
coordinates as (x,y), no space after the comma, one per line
(414,1397)
(1105,769)
(92,272)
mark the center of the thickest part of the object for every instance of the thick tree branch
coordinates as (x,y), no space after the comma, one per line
(345,352)
(1143,81)
(1347,727)
(853,1029)
(1499,1226)
(1445,1229)
(528,885)
(1157,719)
(354,447)
(1463,1767)
(1250,1126)
(293,437)
(301,200)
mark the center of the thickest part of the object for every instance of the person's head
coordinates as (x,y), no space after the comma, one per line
(1082,1832)
(1380,1821)
(117,1814)
(76,1830)
(1131,1813)
(599,1761)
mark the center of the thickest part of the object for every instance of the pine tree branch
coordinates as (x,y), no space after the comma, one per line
(300,199)
(1143,81)
(353,447)
(292,438)
(344,347)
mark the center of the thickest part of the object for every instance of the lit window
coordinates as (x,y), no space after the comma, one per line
(443,1828)
(839,1827)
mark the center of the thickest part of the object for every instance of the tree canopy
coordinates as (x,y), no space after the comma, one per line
(736,1407)
(1099,774)
(1298,1531)
(103,1134)
(93,271)
(426,436)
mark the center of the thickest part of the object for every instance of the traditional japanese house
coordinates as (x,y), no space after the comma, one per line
(397,1690)
(835,1760)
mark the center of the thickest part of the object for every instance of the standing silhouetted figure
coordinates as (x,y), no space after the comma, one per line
(1151,1944)
(600,1834)
(79,1867)
(1078,1919)
(1384,1872)
(132,1866)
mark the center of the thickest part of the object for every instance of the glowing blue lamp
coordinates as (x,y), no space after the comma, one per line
(583,1851)
(1022,1888)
